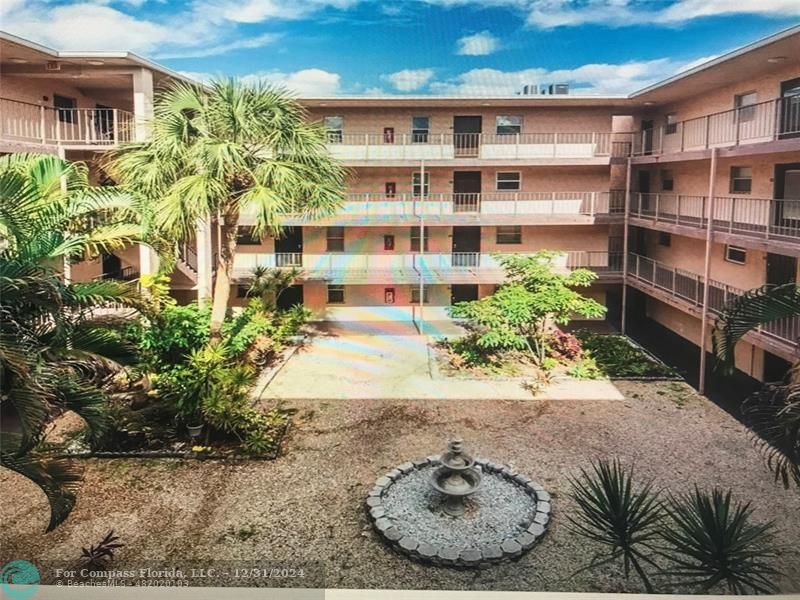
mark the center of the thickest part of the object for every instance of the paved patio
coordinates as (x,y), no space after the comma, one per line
(390,360)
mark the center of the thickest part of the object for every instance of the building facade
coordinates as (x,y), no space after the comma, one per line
(680,196)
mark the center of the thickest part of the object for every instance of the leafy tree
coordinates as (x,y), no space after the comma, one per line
(56,346)
(224,150)
(773,412)
(269,284)
(536,295)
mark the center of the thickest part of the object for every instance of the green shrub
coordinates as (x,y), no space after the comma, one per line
(615,356)
(173,334)
(585,368)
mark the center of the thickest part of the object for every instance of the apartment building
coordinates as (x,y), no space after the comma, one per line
(693,180)
(714,204)
(77,105)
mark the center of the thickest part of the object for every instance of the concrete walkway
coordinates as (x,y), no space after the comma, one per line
(390,361)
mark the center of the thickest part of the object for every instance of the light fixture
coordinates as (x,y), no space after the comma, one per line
(648,103)
(776,59)
(486,103)
(19,61)
(95,62)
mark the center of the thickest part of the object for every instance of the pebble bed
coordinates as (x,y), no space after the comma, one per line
(503,519)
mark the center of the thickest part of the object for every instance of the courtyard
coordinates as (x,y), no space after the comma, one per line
(307,507)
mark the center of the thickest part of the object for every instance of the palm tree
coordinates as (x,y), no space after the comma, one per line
(226,150)
(55,346)
(773,412)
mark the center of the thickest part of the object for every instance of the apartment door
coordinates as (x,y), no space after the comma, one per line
(289,247)
(291,296)
(466,191)
(790,109)
(466,246)
(112,266)
(647,137)
(464,292)
(775,368)
(104,122)
(787,189)
(466,135)
(781,269)
(643,201)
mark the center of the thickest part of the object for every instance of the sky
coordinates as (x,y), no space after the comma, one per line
(416,47)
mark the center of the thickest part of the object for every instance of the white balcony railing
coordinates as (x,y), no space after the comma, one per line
(375,146)
(380,205)
(763,218)
(411,265)
(25,122)
(762,122)
(688,287)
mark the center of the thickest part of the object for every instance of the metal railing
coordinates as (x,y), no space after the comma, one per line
(316,265)
(188,255)
(406,146)
(369,204)
(25,122)
(764,218)
(689,286)
(761,122)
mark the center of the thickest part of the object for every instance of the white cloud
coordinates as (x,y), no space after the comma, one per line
(253,42)
(599,79)
(306,82)
(478,44)
(409,80)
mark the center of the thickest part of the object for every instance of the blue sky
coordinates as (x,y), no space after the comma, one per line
(452,47)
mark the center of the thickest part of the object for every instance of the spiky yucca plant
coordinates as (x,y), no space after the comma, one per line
(612,513)
(712,541)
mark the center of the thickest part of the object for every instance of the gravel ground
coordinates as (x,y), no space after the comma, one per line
(308,504)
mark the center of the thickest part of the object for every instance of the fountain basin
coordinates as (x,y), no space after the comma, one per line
(503,518)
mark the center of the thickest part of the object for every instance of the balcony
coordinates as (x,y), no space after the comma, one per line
(498,208)
(70,127)
(769,121)
(550,147)
(686,290)
(742,219)
(434,268)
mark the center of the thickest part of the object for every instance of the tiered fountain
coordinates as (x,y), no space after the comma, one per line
(458,511)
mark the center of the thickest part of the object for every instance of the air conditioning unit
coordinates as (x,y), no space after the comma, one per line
(52,65)
(531,89)
(559,88)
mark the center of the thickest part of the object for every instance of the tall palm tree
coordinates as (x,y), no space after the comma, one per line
(226,150)
(773,412)
(55,346)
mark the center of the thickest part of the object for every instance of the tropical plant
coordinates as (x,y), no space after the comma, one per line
(100,555)
(773,412)
(712,541)
(537,295)
(613,514)
(268,284)
(56,349)
(224,150)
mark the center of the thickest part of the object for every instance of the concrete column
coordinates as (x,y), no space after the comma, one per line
(142,102)
(625,227)
(204,261)
(67,265)
(709,213)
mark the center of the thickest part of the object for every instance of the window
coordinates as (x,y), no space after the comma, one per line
(745,106)
(415,239)
(335,294)
(509,181)
(672,124)
(416,188)
(334,125)
(667,182)
(65,104)
(420,128)
(246,236)
(508,124)
(415,295)
(509,234)
(741,180)
(390,189)
(388,242)
(664,239)
(735,254)
(242,291)
(335,239)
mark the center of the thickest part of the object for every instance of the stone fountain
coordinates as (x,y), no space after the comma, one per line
(454,510)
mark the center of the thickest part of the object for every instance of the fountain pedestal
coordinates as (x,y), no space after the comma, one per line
(456,478)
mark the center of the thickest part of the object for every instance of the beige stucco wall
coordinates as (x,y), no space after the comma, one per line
(34,90)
